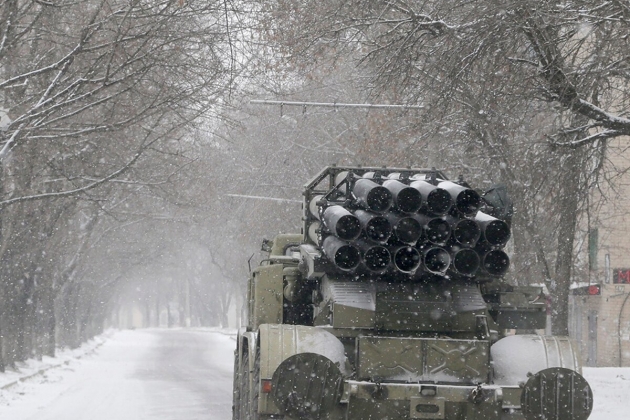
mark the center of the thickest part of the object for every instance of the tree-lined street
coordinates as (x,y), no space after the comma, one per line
(137,177)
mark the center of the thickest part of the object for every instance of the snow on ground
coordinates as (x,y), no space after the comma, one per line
(63,357)
(135,375)
(611,392)
(177,374)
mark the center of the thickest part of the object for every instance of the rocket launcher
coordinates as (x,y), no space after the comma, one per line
(406,224)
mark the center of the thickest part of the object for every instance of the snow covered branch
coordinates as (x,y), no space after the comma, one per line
(76,191)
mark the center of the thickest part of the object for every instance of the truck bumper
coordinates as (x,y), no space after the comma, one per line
(368,400)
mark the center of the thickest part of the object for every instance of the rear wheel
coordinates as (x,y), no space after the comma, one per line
(255,377)
(249,391)
(236,389)
(245,394)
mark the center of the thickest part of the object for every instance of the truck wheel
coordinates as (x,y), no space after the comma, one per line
(236,389)
(256,387)
(248,409)
(245,397)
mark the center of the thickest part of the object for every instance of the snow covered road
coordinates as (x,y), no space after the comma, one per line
(160,374)
(144,374)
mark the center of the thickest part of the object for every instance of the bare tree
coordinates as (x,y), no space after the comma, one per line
(98,98)
(527,84)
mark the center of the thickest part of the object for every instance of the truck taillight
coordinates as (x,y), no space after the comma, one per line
(594,290)
(590,290)
(265,386)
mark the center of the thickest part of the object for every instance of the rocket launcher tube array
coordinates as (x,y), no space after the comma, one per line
(415,225)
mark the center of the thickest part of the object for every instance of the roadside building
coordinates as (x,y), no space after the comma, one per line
(600,300)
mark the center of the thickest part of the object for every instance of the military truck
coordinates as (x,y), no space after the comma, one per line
(391,304)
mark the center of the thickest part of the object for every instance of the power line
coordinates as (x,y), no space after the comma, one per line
(257,197)
(333,104)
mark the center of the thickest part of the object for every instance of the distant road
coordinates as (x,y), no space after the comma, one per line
(154,374)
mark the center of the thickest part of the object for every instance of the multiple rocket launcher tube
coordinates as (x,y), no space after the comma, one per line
(414,226)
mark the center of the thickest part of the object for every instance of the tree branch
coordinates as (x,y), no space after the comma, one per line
(69,193)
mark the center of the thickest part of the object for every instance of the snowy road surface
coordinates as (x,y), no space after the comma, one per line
(144,374)
(186,374)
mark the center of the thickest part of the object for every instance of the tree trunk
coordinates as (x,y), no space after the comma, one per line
(146,319)
(560,285)
(2,297)
(2,366)
(51,331)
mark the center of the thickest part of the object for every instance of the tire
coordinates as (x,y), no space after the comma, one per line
(236,389)
(249,396)
(245,394)
(256,386)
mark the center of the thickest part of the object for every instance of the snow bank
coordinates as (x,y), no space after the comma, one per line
(33,367)
(611,392)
